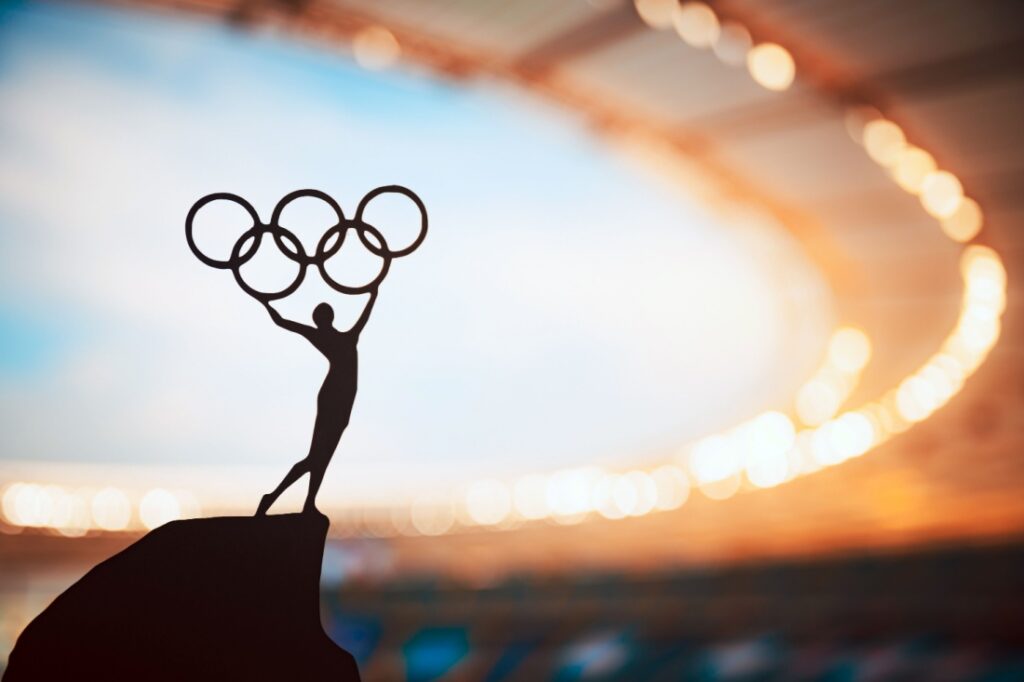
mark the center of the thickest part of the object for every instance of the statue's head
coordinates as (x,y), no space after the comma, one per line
(323,316)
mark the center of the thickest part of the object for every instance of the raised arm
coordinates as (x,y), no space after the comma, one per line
(283,323)
(357,328)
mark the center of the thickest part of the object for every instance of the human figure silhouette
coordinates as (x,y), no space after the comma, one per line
(333,403)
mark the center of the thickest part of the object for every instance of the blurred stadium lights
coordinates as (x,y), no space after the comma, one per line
(824,393)
(764,451)
(761,452)
(770,65)
(832,618)
(767,448)
(73,513)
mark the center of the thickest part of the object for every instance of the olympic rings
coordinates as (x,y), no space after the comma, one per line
(290,246)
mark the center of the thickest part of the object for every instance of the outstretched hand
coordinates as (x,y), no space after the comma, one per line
(285,323)
(274,315)
(365,317)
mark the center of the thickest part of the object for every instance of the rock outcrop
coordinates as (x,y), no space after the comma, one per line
(230,598)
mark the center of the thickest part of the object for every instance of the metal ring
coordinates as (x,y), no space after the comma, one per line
(323,254)
(280,234)
(395,189)
(275,217)
(219,196)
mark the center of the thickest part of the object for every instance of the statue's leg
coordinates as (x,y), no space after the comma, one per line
(316,477)
(300,467)
(319,457)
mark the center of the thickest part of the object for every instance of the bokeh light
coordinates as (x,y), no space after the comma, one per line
(817,400)
(912,166)
(856,119)
(605,502)
(157,507)
(849,350)
(713,459)
(657,13)
(375,48)
(646,492)
(488,502)
(771,66)
(884,141)
(941,193)
(432,514)
(851,434)
(569,493)
(767,469)
(965,222)
(722,489)
(696,24)
(822,395)
(111,509)
(672,485)
(733,43)
(25,504)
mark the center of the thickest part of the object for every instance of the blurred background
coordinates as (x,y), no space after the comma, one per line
(709,367)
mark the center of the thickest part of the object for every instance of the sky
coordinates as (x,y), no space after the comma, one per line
(564,308)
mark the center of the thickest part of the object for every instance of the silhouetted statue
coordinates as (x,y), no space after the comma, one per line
(226,598)
(333,403)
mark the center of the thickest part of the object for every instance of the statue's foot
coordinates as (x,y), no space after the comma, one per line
(265,503)
(310,508)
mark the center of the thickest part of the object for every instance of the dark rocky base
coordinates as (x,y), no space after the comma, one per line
(231,598)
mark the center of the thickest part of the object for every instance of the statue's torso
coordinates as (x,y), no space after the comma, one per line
(340,384)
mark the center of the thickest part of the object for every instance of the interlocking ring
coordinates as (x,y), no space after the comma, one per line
(209,198)
(324,252)
(290,246)
(396,189)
